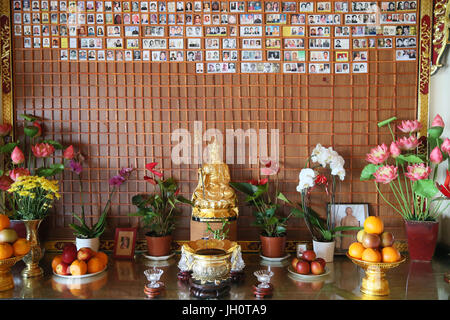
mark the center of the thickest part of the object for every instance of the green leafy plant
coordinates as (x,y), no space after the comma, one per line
(265,212)
(82,230)
(222,232)
(158,210)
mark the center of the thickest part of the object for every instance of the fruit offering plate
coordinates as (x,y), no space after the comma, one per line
(77,279)
(154,258)
(87,275)
(275,259)
(310,277)
(380,265)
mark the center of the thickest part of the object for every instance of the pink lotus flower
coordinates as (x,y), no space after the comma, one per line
(69,153)
(386,174)
(5,129)
(418,172)
(18,172)
(17,156)
(37,125)
(410,126)
(150,166)
(445,147)
(378,154)
(42,150)
(436,156)
(5,182)
(408,143)
(394,149)
(437,121)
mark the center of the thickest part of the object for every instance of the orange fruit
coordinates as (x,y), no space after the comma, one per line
(102,256)
(4,222)
(390,254)
(78,268)
(6,251)
(356,250)
(373,225)
(56,260)
(94,265)
(371,255)
(21,247)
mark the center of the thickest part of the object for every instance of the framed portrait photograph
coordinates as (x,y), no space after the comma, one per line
(124,243)
(347,214)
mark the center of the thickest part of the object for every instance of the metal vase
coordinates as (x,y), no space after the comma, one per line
(36,253)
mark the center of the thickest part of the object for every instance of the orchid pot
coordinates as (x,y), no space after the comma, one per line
(324,249)
(93,243)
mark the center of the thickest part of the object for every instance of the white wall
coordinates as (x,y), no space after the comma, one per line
(440,104)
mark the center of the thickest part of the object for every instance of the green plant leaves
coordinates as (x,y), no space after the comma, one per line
(410,158)
(28,117)
(425,188)
(31,131)
(435,132)
(386,122)
(9,147)
(368,171)
(283,197)
(51,171)
(246,188)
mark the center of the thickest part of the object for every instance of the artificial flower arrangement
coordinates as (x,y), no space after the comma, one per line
(411,172)
(22,198)
(83,231)
(158,210)
(309,177)
(265,208)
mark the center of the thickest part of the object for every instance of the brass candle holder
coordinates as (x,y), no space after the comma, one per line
(6,278)
(374,283)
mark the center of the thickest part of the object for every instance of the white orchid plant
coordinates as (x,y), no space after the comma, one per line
(309,177)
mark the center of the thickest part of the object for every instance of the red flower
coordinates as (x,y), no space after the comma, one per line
(321,179)
(148,179)
(258,182)
(177,192)
(42,150)
(150,166)
(5,129)
(5,182)
(445,188)
(37,125)
(69,153)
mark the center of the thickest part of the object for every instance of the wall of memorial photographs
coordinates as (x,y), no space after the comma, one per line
(223,36)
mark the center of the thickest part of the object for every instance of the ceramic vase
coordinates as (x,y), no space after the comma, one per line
(422,239)
(324,250)
(93,243)
(158,246)
(36,253)
(273,247)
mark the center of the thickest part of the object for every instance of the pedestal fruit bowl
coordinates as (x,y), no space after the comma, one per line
(374,283)
(6,278)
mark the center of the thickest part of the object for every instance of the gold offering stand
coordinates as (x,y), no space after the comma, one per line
(210,263)
(6,278)
(374,283)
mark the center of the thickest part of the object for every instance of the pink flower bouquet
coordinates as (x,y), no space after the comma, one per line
(409,171)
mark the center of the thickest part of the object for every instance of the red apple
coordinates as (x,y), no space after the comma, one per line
(316,267)
(84,254)
(294,263)
(309,255)
(302,267)
(69,253)
(321,261)
(62,269)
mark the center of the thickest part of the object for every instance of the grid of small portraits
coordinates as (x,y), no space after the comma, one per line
(223,36)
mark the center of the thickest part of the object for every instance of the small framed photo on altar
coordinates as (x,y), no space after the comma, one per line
(124,243)
(347,214)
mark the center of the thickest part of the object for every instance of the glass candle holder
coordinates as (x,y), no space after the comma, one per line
(263,276)
(153,275)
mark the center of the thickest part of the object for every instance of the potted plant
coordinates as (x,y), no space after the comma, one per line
(321,229)
(89,236)
(272,225)
(158,211)
(409,167)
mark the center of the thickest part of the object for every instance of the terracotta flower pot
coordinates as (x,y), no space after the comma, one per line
(158,246)
(273,247)
(422,238)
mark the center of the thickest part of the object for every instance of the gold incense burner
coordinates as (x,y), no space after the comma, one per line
(374,283)
(209,260)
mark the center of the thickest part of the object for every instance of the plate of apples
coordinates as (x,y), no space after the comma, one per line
(308,267)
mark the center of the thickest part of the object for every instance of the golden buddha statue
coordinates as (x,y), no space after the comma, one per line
(213,197)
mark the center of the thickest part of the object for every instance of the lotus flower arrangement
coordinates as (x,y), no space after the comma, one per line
(410,172)
(36,161)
